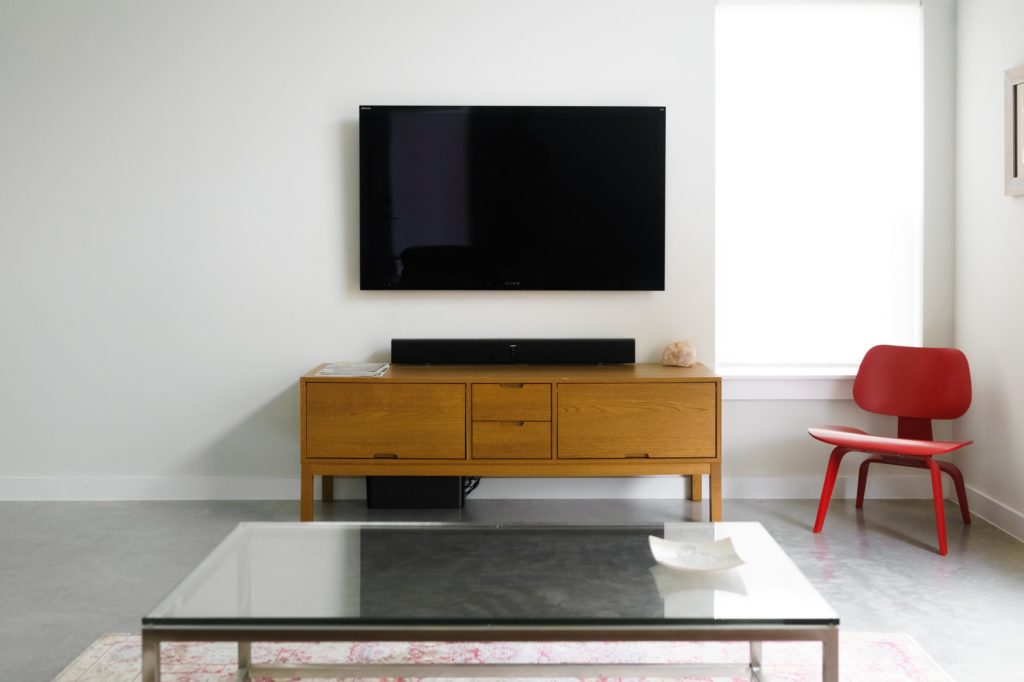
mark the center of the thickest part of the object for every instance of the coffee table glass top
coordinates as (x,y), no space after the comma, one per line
(457,574)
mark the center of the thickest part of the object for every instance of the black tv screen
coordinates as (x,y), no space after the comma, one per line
(553,198)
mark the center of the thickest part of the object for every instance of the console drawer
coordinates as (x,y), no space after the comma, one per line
(512,402)
(391,420)
(652,420)
(512,440)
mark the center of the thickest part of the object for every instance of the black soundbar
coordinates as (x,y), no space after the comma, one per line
(511,351)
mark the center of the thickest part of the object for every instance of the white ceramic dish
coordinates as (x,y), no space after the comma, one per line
(714,555)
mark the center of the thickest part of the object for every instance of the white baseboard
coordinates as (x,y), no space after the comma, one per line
(995,512)
(670,487)
(809,487)
(27,488)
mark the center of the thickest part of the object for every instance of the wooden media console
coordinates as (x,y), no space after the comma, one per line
(513,420)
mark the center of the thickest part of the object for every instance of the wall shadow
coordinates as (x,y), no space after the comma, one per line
(348,159)
(264,443)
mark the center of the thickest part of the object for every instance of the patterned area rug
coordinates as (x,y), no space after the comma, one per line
(864,657)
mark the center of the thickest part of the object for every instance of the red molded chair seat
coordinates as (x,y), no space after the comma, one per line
(862,441)
(915,385)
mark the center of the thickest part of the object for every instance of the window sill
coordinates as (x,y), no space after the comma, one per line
(751,386)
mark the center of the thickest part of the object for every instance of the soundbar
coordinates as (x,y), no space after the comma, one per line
(513,351)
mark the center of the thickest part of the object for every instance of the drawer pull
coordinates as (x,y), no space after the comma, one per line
(385,455)
(637,455)
(511,385)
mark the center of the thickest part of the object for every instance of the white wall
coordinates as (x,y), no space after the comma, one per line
(179,228)
(989,276)
(180,213)
(938,214)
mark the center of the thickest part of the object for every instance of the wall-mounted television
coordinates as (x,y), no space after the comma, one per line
(512,197)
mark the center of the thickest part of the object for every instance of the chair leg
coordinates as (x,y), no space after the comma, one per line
(862,479)
(940,513)
(961,491)
(831,473)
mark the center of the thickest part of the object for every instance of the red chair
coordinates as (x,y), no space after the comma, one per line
(916,385)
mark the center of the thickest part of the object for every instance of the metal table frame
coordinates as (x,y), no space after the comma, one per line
(153,636)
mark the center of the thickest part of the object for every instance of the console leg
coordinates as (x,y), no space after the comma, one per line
(306,495)
(697,487)
(715,483)
(327,488)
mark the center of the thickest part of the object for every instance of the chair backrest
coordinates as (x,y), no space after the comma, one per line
(919,383)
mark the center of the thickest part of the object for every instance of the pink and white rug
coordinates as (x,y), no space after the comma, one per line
(864,657)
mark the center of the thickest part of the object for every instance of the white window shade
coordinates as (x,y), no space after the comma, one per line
(818,184)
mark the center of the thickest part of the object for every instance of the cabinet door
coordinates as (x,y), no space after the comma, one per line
(636,420)
(416,421)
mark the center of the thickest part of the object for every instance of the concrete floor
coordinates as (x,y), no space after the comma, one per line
(72,571)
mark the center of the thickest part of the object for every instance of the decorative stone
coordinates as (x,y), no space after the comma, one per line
(679,354)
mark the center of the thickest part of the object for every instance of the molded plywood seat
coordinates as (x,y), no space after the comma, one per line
(862,441)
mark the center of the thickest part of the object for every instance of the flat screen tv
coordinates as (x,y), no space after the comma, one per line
(550,198)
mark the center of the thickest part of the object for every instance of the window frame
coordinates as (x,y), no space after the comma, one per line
(756,382)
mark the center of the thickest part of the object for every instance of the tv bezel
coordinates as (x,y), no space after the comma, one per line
(655,283)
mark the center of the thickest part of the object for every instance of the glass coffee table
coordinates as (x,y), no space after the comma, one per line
(277,582)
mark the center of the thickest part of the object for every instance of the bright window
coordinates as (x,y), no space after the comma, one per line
(818,183)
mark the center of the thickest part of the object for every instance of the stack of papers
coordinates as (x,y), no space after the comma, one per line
(354,369)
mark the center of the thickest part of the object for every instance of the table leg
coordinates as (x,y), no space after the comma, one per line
(715,483)
(244,661)
(830,656)
(755,660)
(306,495)
(327,488)
(150,658)
(697,487)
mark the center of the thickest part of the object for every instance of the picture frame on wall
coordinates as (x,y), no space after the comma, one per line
(1015,131)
